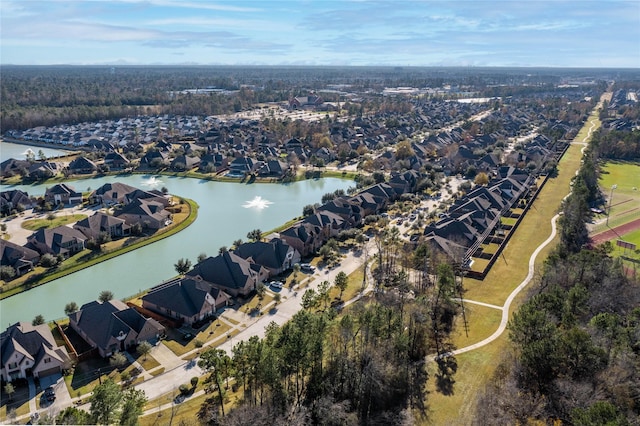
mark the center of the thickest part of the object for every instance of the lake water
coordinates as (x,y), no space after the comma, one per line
(19,152)
(228,211)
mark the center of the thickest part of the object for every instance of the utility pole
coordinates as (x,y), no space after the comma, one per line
(614,186)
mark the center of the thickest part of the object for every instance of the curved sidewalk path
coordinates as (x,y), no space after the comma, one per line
(507,304)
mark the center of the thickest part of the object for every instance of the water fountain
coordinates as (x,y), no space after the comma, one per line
(257,203)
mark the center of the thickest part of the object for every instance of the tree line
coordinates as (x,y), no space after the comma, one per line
(365,364)
(575,355)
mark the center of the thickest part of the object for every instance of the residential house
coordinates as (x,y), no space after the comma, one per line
(241,165)
(61,240)
(230,273)
(62,193)
(154,159)
(304,237)
(112,193)
(116,161)
(184,162)
(188,299)
(275,255)
(99,223)
(31,351)
(42,170)
(150,214)
(112,326)
(82,165)
(12,167)
(272,168)
(14,199)
(21,259)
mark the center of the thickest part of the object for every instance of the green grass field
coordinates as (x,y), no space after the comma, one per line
(476,368)
(36,224)
(625,200)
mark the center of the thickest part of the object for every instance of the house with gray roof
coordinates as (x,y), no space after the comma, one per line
(112,193)
(82,165)
(21,259)
(230,273)
(30,351)
(99,223)
(59,240)
(113,327)
(275,255)
(188,299)
(62,193)
(150,214)
(12,199)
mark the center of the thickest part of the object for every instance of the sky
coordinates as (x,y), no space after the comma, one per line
(552,33)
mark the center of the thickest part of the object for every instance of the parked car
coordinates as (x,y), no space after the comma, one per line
(307,267)
(49,394)
(275,284)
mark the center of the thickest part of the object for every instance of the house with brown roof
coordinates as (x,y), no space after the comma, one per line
(30,351)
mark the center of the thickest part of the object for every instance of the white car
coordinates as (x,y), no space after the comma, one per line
(275,284)
(307,267)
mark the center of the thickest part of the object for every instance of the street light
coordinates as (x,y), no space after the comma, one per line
(614,186)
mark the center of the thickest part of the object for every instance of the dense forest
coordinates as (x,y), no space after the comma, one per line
(32,96)
(364,365)
(576,341)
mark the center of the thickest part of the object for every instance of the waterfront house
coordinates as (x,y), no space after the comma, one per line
(21,259)
(112,193)
(62,193)
(187,299)
(31,351)
(112,326)
(150,214)
(116,161)
(14,199)
(304,237)
(230,273)
(275,255)
(82,165)
(99,223)
(61,240)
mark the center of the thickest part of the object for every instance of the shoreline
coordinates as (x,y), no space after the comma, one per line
(191,218)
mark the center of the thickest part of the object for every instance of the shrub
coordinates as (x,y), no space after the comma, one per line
(184,389)
(7,272)
(48,260)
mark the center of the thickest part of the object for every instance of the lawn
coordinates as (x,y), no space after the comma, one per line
(624,199)
(353,287)
(186,411)
(481,323)
(88,258)
(476,368)
(55,221)
(178,345)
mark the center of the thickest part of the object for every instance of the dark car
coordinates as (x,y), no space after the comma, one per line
(49,394)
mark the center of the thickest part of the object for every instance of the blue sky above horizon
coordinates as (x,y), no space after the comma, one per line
(553,33)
